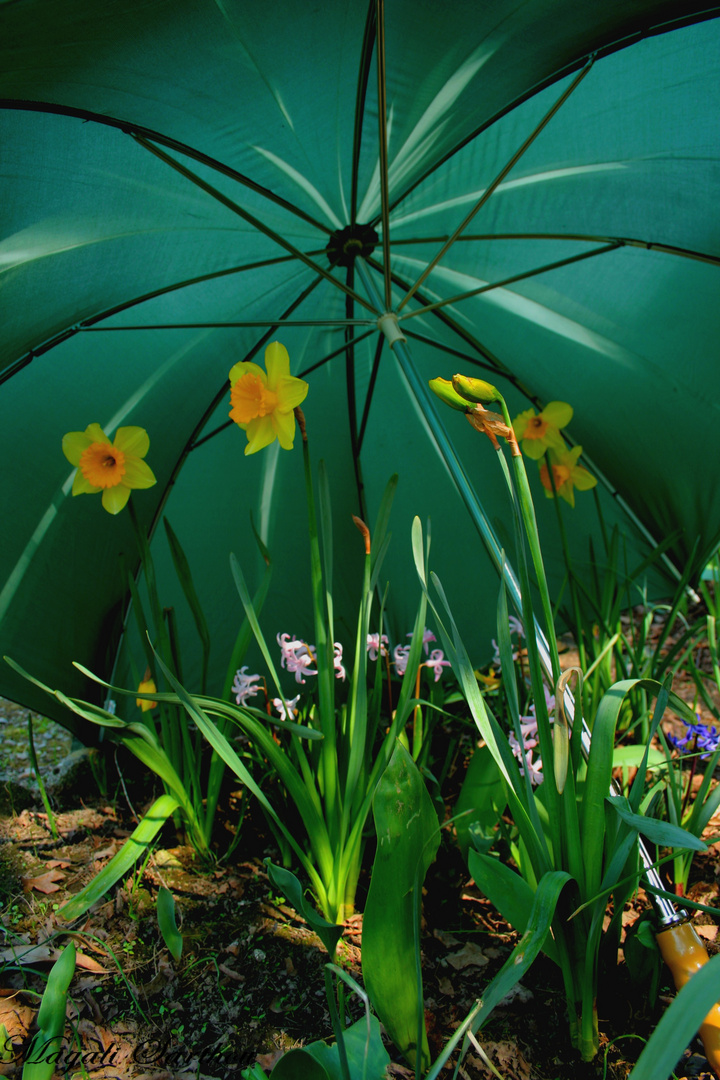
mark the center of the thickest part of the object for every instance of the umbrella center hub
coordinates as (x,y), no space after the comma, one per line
(346,244)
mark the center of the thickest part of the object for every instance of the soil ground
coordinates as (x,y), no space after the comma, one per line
(250,983)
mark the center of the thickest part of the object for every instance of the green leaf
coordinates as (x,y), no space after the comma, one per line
(508,892)
(483,795)
(182,569)
(124,860)
(329,933)
(48,1041)
(168,926)
(521,958)
(299,1065)
(662,833)
(407,839)
(362,1041)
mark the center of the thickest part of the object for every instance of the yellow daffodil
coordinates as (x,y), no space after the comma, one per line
(113,468)
(491,681)
(263,402)
(444,389)
(475,390)
(540,432)
(566,475)
(465,395)
(147,686)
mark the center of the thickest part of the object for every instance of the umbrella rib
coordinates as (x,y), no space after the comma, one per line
(363,79)
(371,389)
(164,140)
(352,399)
(336,352)
(484,365)
(497,181)
(246,216)
(382,146)
(443,316)
(510,280)
(218,325)
(618,241)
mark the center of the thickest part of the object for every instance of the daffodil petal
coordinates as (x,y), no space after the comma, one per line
(284,427)
(534,448)
(290,392)
(260,433)
(242,368)
(566,492)
(115,498)
(81,486)
(553,440)
(96,434)
(557,413)
(521,422)
(74,444)
(582,479)
(138,474)
(277,363)
(133,441)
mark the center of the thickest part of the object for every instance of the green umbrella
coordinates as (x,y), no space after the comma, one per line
(532,189)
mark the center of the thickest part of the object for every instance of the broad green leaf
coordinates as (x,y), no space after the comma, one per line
(168,926)
(329,933)
(124,860)
(48,1041)
(482,794)
(299,1065)
(362,1042)
(662,833)
(407,839)
(508,892)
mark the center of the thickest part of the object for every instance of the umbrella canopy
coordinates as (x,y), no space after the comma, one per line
(532,188)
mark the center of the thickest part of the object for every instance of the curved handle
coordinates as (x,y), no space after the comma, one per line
(684,954)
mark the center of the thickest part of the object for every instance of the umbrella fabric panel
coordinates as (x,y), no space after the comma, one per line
(149,229)
(632,153)
(96,223)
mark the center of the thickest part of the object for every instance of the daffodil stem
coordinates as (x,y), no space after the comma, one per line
(38,777)
(572,584)
(325,666)
(527,510)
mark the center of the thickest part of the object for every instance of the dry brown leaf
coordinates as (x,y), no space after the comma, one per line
(35,954)
(269,1061)
(707,932)
(44,883)
(447,939)
(470,955)
(89,963)
(446,987)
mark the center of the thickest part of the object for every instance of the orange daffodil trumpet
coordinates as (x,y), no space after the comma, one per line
(113,468)
(566,475)
(263,402)
(539,432)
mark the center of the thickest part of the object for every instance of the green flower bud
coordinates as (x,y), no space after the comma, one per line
(475,389)
(444,390)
